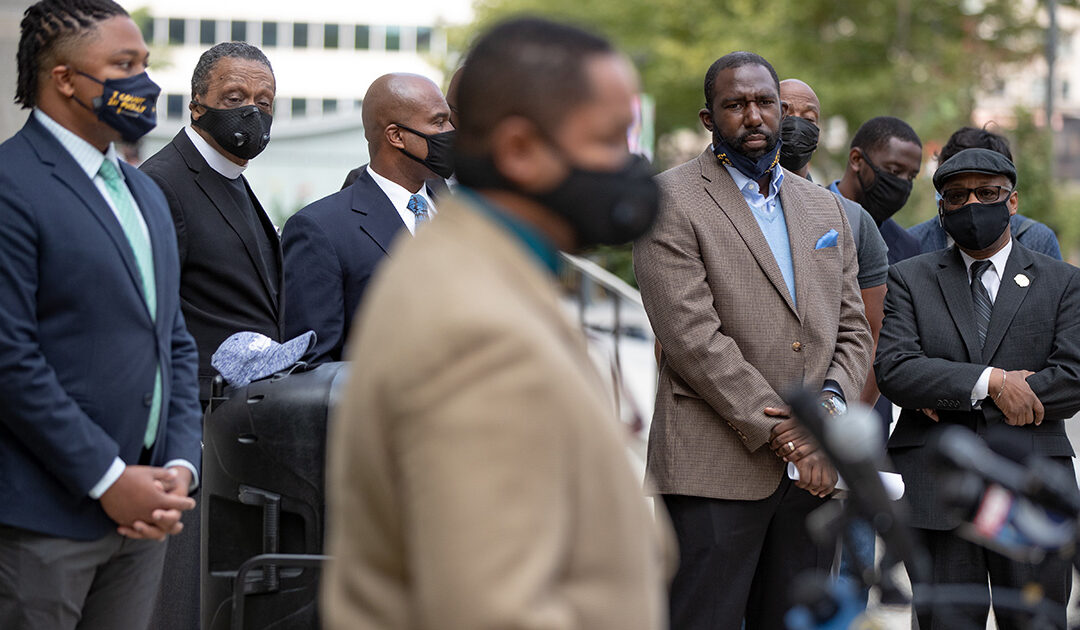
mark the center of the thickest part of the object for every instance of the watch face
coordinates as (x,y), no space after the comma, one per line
(835,405)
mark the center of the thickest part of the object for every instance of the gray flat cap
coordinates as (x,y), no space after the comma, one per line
(975,161)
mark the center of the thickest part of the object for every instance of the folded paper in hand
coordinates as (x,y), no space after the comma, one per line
(893,482)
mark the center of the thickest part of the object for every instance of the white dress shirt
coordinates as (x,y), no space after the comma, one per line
(89,159)
(399,198)
(991,279)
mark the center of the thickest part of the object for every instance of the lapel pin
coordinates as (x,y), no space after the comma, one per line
(1021,280)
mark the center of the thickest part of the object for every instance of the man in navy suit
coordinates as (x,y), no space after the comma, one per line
(99,412)
(333,246)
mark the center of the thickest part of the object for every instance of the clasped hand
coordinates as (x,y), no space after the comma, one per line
(791,442)
(146,501)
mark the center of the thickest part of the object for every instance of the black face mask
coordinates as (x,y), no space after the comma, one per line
(976,226)
(753,168)
(602,207)
(886,195)
(800,140)
(128,105)
(440,151)
(242,131)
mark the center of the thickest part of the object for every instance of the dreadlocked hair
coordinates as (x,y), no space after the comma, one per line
(47,26)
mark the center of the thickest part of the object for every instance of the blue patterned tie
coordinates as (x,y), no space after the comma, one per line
(128,214)
(981,298)
(419,207)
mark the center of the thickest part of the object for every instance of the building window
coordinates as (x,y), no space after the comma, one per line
(363,36)
(269,34)
(330,36)
(176,32)
(174,106)
(146,25)
(329,105)
(239,31)
(299,35)
(393,38)
(299,107)
(358,104)
(206,31)
(423,39)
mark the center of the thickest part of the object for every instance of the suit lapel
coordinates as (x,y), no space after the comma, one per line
(953,280)
(1009,298)
(155,228)
(380,220)
(799,235)
(213,185)
(70,175)
(722,189)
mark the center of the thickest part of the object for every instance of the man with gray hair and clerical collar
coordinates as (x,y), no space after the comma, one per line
(230,254)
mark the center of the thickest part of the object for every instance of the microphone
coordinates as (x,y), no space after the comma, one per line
(853,443)
(821,603)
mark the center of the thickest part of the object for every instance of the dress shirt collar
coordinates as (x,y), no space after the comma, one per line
(749,186)
(399,198)
(223,165)
(998,260)
(86,155)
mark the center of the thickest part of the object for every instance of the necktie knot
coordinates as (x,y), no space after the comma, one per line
(978,268)
(419,206)
(109,172)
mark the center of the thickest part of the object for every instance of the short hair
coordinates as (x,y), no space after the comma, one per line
(529,67)
(972,138)
(200,78)
(735,59)
(875,133)
(47,28)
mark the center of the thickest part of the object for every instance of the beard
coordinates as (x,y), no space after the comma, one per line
(737,143)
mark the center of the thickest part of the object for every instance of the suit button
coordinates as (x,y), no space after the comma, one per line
(148,399)
(796,346)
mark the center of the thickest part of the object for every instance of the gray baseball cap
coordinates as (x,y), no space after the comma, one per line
(248,356)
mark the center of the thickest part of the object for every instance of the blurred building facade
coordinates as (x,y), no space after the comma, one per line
(324,53)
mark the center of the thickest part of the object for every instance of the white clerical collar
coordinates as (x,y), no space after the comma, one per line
(223,165)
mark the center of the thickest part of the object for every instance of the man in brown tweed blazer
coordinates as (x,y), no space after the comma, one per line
(749,280)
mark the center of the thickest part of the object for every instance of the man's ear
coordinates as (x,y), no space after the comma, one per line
(855,159)
(784,108)
(394,136)
(1014,202)
(522,155)
(63,78)
(706,118)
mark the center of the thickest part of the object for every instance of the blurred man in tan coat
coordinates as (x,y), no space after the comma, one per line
(478,476)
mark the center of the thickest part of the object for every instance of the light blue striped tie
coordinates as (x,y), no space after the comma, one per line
(128,214)
(419,207)
(981,297)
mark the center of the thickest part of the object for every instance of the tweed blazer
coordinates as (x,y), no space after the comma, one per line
(478,477)
(733,339)
(929,357)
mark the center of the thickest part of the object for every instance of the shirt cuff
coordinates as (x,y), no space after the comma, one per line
(834,387)
(110,477)
(186,464)
(981,389)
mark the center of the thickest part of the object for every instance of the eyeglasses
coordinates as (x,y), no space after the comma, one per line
(954,198)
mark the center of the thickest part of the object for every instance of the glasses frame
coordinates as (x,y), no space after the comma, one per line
(1002,193)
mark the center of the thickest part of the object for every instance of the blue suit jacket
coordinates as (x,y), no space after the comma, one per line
(332,248)
(78,347)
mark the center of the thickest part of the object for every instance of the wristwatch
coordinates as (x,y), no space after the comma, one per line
(834,405)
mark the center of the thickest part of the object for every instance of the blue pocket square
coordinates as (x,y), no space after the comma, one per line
(827,239)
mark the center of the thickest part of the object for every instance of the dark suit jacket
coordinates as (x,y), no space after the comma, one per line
(78,347)
(224,285)
(332,248)
(929,357)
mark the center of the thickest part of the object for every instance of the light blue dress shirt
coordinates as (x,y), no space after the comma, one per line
(769,213)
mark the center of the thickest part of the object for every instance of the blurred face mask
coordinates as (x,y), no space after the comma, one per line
(885,195)
(800,140)
(128,105)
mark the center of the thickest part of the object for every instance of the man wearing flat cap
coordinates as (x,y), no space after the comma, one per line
(984,335)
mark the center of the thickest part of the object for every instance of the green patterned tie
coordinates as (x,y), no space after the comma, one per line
(128,214)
